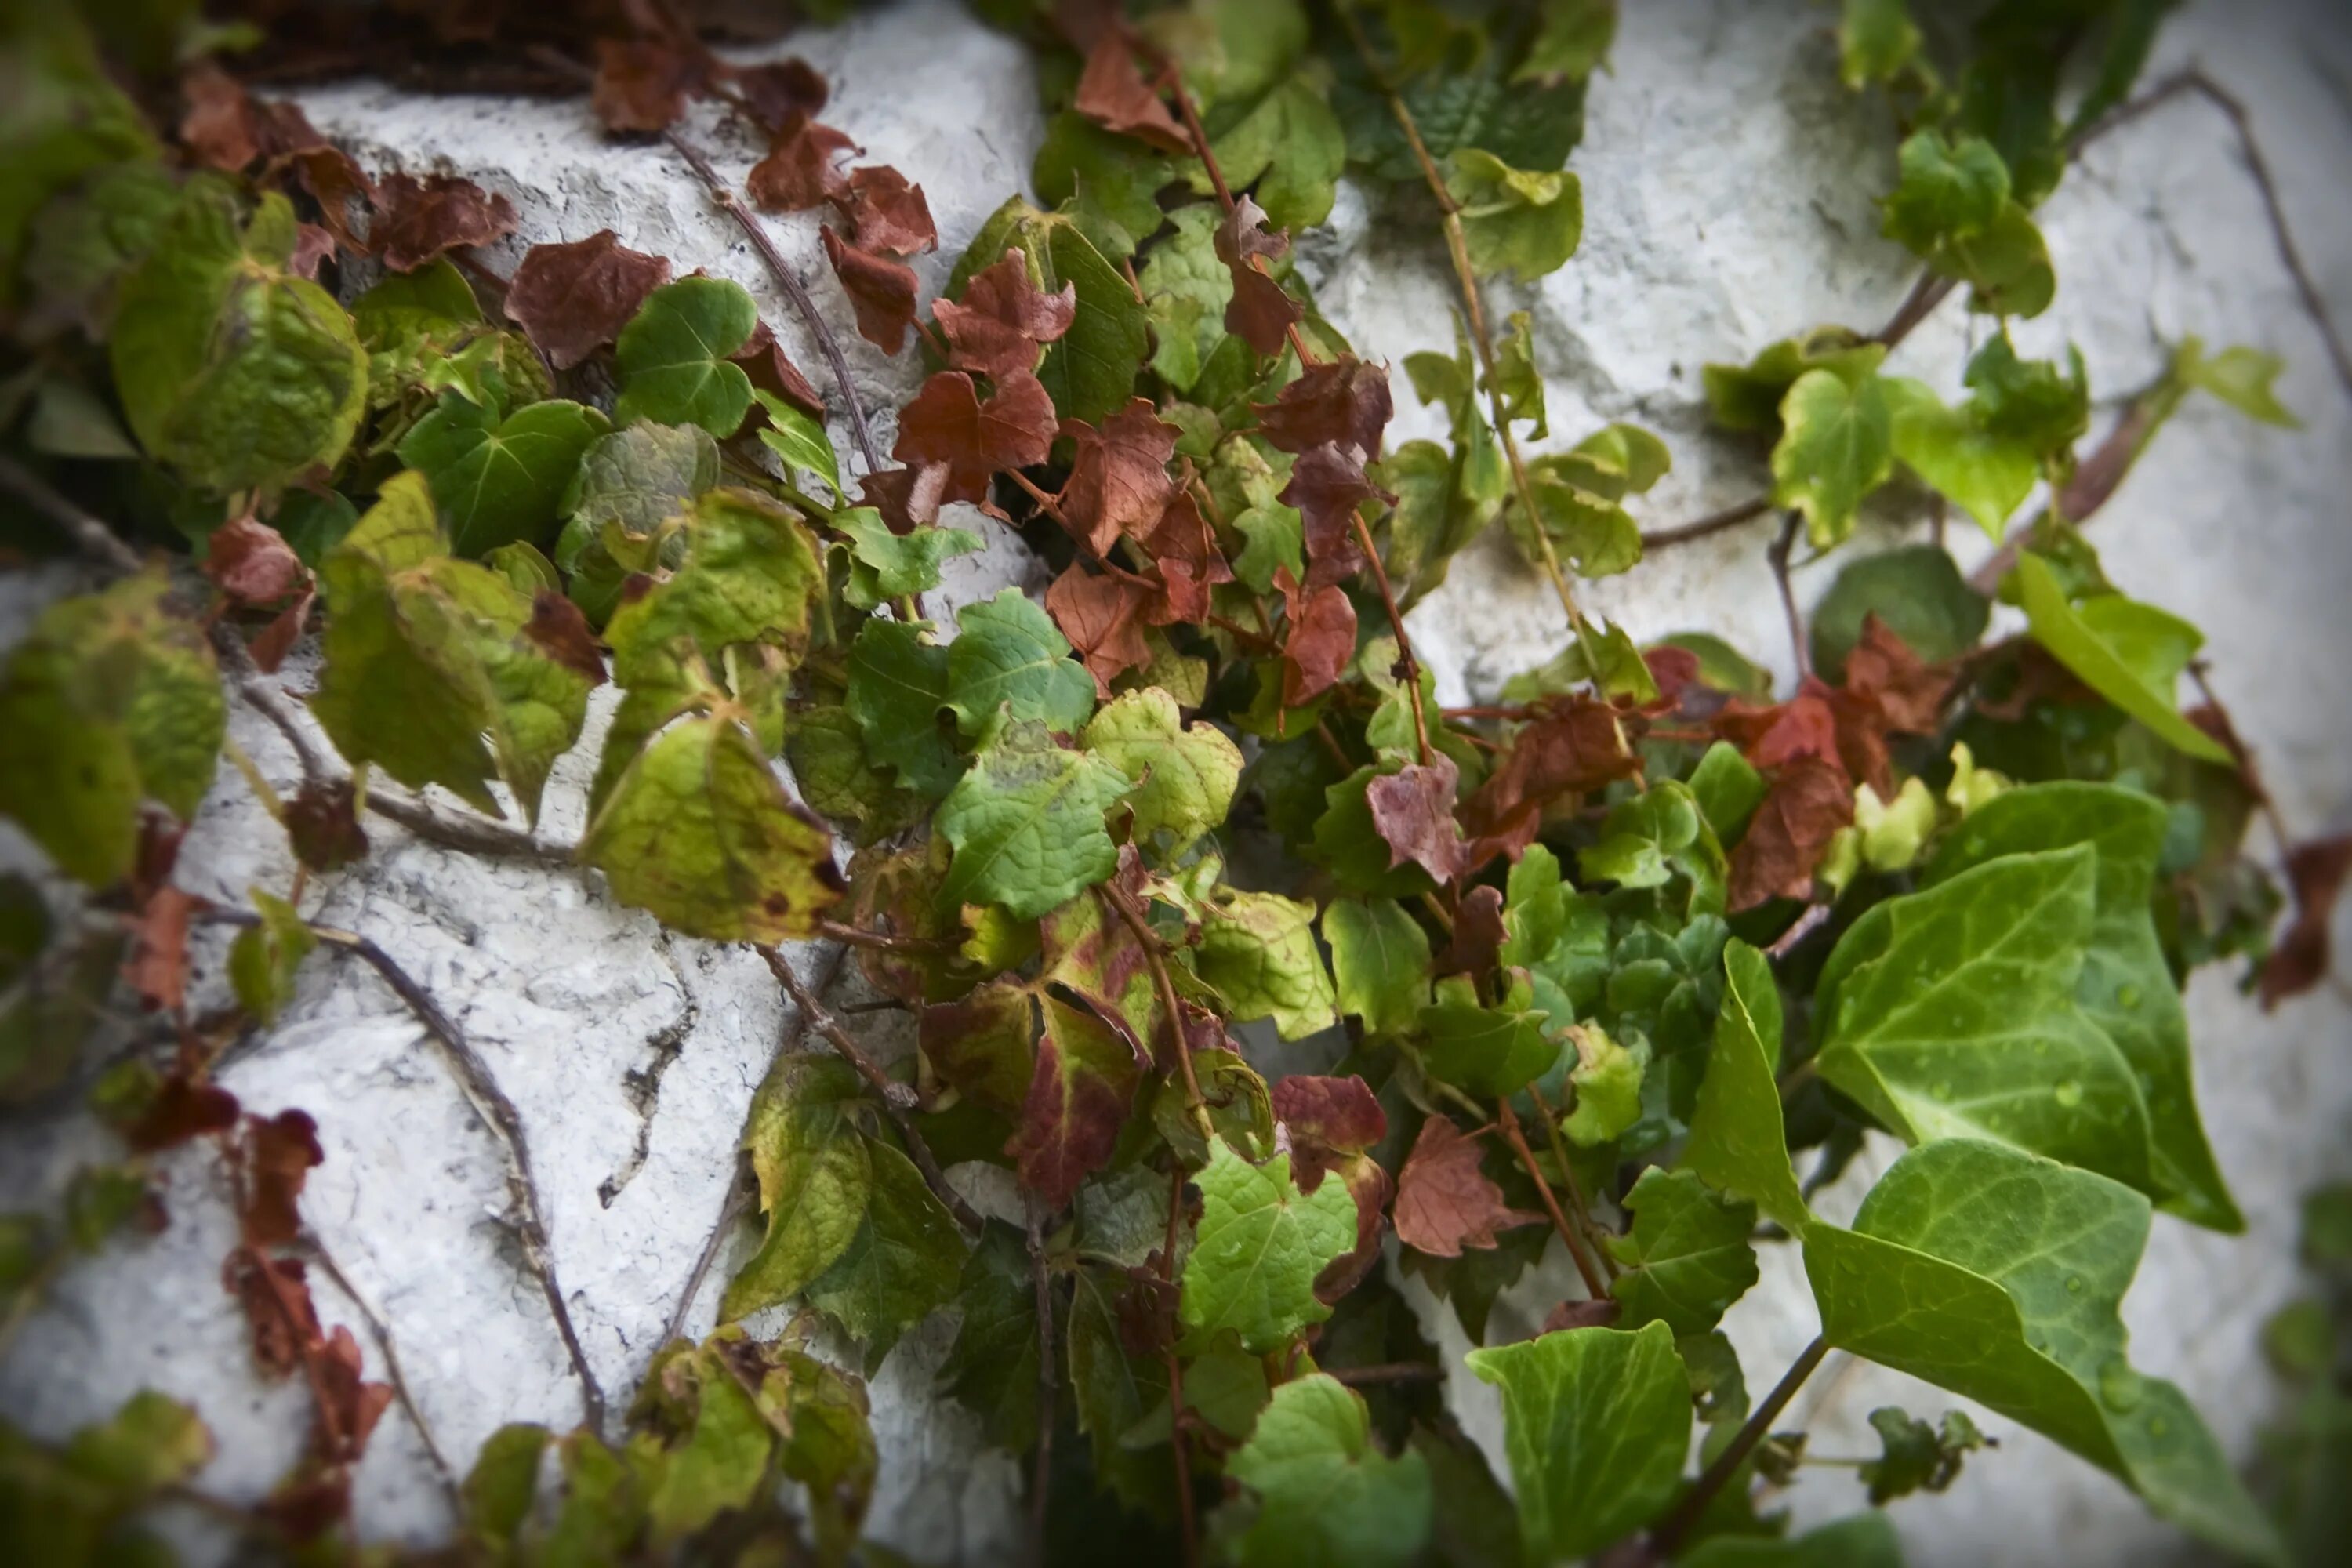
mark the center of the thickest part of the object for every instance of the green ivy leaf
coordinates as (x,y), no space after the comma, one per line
(1487,1050)
(1186,289)
(1836,446)
(1290,148)
(898,688)
(1987,475)
(2126,988)
(1512,219)
(1108,183)
(800,441)
(1257,952)
(111,701)
(263,958)
(1184,777)
(1089,372)
(499,1489)
(1915,589)
(1326,1498)
(1027,822)
(711,1440)
(2128,652)
(992,1367)
(1257,1249)
(1380,962)
(640,478)
(1113,1392)
(1948,189)
(1876,38)
(1748,397)
(499,481)
(1915,1455)
(750,573)
(884,565)
(814,1178)
(1951,1013)
(2029,401)
(1739,1143)
(232,369)
(902,1264)
(2242,377)
(1572,41)
(1596,1422)
(1608,1079)
(671,361)
(1997,1275)
(1688,1253)
(1009,653)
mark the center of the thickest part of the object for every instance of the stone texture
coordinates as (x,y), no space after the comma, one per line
(1726,183)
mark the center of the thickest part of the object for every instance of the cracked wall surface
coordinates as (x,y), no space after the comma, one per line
(1727,185)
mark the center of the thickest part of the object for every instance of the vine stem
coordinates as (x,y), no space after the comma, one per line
(1457,247)
(898,1099)
(1149,940)
(493,1110)
(757,233)
(1609,1264)
(380,1331)
(1668,1537)
(731,1208)
(1041,1473)
(1396,623)
(1778,556)
(1594,1285)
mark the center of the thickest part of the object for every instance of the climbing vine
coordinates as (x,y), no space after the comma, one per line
(1601,960)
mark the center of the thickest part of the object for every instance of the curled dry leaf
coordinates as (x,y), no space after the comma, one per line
(1320,640)
(908,498)
(1326,485)
(773,371)
(322,825)
(559,629)
(1260,313)
(1101,615)
(1443,1201)
(1574,746)
(571,300)
(225,127)
(1118,480)
(178,1111)
(775,90)
(1809,801)
(2315,872)
(886,213)
(1326,1120)
(1412,810)
(1342,401)
(1004,321)
(1114,95)
(1478,934)
(417,220)
(881,292)
(276,1156)
(801,169)
(642,83)
(158,966)
(947,424)
(1184,548)
(275,1294)
(248,561)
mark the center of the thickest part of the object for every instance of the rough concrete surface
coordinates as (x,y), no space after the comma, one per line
(1727,183)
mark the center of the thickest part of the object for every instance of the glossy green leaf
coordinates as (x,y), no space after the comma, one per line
(499,481)
(1258,1247)
(671,361)
(1987,475)
(1027,822)
(1327,1497)
(1596,1422)
(1737,1142)
(1109,182)
(2099,646)
(884,565)
(1288,149)
(1486,1050)
(898,688)
(2242,377)
(1996,1275)
(1257,952)
(1380,962)
(1837,444)
(1009,653)
(1748,396)
(814,1178)
(1513,220)
(1863,1540)
(1688,1257)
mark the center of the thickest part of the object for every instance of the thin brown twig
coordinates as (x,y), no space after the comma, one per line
(1714,522)
(1609,1264)
(1597,1288)
(757,233)
(1667,1538)
(738,1196)
(1156,962)
(90,536)
(1396,623)
(858,936)
(493,1109)
(898,1099)
(1778,556)
(1041,1471)
(380,1331)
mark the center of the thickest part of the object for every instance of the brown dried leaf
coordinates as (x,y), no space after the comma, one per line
(776,91)
(278,1157)
(275,1293)
(322,826)
(642,83)
(1576,745)
(1100,614)
(1478,934)
(881,292)
(801,170)
(560,631)
(178,1111)
(1601,1314)
(947,424)
(1004,321)
(1319,642)
(1326,485)
(1118,482)
(2315,871)
(908,498)
(249,561)
(1905,693)
(571,300)
(1342,401)
(1260,313)
(158,967)
(1185,548)
(1114,95)
(416,220)
(275,640)
(886,213)
(773,371)
(1443,1201)
(1808,802)
(1412,810)
(356,1403)
(1324,1120)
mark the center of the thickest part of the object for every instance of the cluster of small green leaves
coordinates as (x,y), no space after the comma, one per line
(1205,787)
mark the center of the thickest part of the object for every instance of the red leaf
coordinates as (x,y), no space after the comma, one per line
(560,631)
(1575,746)
(1904,693)
(1088,1066)
(1772,737)
(1444,1201)
(312,245)
(1327,1119)
(571,300)
(642,83)
(335,182)
(886,213)
(1099,614)
(322,826)
(1185,548)
(223,127)
(1807,803)
(158,969)
(357,1404)
(1478,934)
(1004,319)
(2315,872)
(278,1157)
(908,498)
(1342,401)
(773,371)
(251,562)
(1326,485)
(1321,641)
(984,1046)
(417,220)
(275,1297)
(1114,95)
(946,423)
(881,292)
(1118,482)
(800,171)
(180,1111)
(776,91)
(1412,810)
(276,639)
(1260,313)
(1370,1187)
